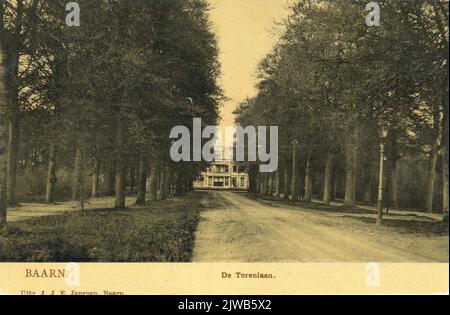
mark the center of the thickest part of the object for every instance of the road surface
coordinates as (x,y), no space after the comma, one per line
(248,230)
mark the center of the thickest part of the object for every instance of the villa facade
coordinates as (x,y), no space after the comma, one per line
(223,175)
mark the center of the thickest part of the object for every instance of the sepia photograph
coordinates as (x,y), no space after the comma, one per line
(223,131)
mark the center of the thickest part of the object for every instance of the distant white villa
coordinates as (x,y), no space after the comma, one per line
(225,175)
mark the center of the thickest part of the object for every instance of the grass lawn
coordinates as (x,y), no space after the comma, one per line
(162,231)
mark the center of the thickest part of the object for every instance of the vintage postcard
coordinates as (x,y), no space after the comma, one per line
(250,147)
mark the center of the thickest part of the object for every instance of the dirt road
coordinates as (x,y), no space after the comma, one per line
(247,230)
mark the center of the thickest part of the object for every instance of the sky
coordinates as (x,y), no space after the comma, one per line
(246,31)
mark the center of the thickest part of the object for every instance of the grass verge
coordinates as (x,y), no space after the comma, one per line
(162,231)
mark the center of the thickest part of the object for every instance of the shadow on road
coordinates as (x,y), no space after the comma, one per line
(407,223)
(425,228)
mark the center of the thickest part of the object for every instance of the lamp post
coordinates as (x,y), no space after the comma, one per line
(383,135)
(294,184)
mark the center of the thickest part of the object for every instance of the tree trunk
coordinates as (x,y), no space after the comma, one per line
(187,184)
(445,159)
(168,183)
(308,180)
(183,184)
(78,184)
(154,181)
(3,133)
(51,174)
(431,177)
(3,209)
(178,186)
(162,183)
(95,178)
(259,184)
(350,168)
(173,180)
(77,175)
(12,91)
(253,180)
(445,131)
(142,181)
(393,158)
(287,183)
(132,176)
(295,176)
(301,186)
(13,147)
(327,180)
(336,182)
(445,184)
(3,206)
(120,169)
(263,184)
(368,189)
(394,185)
(28,161)
(174,184)
(270,184)
(278,184)
(111,179)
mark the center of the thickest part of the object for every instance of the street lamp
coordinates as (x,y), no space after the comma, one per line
(383,132)
(191,101)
